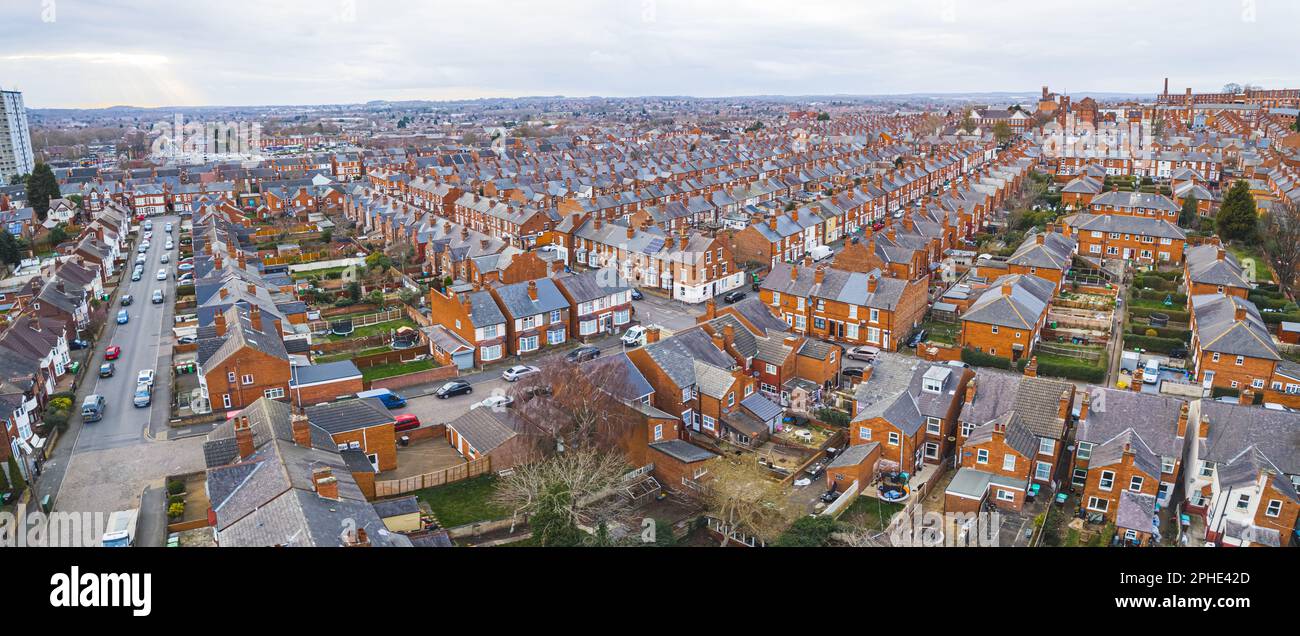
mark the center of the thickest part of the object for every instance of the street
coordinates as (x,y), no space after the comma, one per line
(104,466)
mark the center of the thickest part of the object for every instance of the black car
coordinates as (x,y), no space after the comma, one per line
(734,296)
(637,295)
(453,388)
(830,496)
(582,354)
(79,344)
(916,339)
(127,299)
(852,372)
(1178,353)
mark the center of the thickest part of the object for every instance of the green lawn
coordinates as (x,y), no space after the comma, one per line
(945,332)
(462,502)
(870,513)
(397,368)
(377,328)
(319,273)
(348,355)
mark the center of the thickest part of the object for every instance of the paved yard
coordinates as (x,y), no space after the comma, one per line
(112,479)
(432,410)
(424,456)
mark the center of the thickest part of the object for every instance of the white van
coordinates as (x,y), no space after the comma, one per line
(634,337)
(120,530)
(820,253)
(1151,372)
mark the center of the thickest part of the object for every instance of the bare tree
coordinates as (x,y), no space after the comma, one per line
(1280,228)
(579,405)
(583,476)
(747,499)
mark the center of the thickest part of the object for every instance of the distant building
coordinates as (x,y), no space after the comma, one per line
(15,138)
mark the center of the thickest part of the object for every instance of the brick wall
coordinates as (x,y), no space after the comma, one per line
(419,377)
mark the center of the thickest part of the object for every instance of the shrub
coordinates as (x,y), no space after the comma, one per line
(977,358)
(1175,315)
(1224,391)
(807,532)
(175,487)
(1074,371)
(1152,333)
(1151,343)
(176,510)
(834,417)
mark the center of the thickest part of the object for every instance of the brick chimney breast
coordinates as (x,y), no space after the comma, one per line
(532,290)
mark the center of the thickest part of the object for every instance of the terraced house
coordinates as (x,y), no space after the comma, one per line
(1154,428)
(517,225)
(690,267)
(1243,473)
(1231,346)
(915,425)
(1132,238)
(697,377)
(1042,406)
(1007,318)
(849,307)
(536,313)
(473,316)
(599,303)
(1146,204)
(1044,254)
(1210,269)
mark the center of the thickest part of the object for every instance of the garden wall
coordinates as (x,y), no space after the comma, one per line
(411,379)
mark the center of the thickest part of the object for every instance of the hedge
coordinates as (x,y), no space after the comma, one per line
(1224,391)
(1266,302)
(1154,282)
(977,358)
(1085,373)
(1161,332)
(1175,315)
(1274,317)
(1159,345)
(1179,300)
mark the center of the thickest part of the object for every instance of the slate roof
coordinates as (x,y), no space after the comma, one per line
(591,285)
(1126,224)
(1135,200)
(326,372)
(1218,330)
(1021,309)
(1015,434)
(1135,512)
(1205,266)
(1055,252)
(349,415)
(761,407)
(485,429)
(1234,429)
(683,451)
(1111,453)
(853,455)
(1153,417)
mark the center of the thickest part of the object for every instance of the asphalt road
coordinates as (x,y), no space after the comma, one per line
(146,344)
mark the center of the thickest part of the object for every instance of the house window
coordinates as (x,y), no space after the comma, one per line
(708,423)
(1135,484)
(995,328)
(966,428)
(1243,501)
(875,316)
(933,425)
(587,327)
(621,317)
(528,344)
(1043,471)
(247,379)
(489,331)
(1085,450)
(931,450)
(1097,504)
(659,432)
(1241,360)
(555,316)
(1080,477)
(771,369)
(893,438)
(1215,357)
(1006,495)
(864,433)
(731,399)
(1046,446)
(1167,465)
(982,456)
(1274,508)
(490,353)
(1207,469)
(274,394)
(1008,462)
(225,400)
(1107,480)
(230,377)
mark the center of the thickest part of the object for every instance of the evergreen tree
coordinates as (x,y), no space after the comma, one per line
(9,249)
(16,481)
(1187,217)
(41,187)
(1237,219)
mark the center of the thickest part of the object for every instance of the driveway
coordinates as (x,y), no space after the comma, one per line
(665,312)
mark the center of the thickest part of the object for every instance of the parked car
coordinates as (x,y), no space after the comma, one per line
(453,388)
(106,370)
(123,317)
(187,340)
(185,267)
(406,422)
(145,377)
(78,343)
(917,338)
(140,259)
(112,353)
(637,295)
(148,226)
(1178,353)
(157,297)
(143,396)
(518,371)
(170,245)
(162,274)
(734,296)
(137,274)
(167,228)
(582,354)
(388,398)
(830,496)
(165,258)
(496,401)
(852,372)
(127,299)
(865,353)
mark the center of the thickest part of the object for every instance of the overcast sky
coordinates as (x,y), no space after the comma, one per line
(88,53)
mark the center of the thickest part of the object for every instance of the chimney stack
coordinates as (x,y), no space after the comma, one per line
(1182,421)
(327,486)
(1031,369)
(243,436)
(652,334)
(872,282)
(532,290)
(1136,384)
(1040,238)
(1247,398)
(219,320)
(710,309)
(970,391)
(1063,410)
(819,275)
(729,334)
(1083,406)
(255,317)
(301,430)
(1006,288)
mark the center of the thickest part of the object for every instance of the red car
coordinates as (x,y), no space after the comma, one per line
(406,422)
(112,353)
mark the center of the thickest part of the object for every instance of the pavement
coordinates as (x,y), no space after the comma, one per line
(104,466)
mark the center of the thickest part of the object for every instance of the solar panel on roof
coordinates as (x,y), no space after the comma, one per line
(654,246)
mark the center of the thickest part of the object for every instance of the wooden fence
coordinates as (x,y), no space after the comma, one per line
(362,320)
(393,487)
